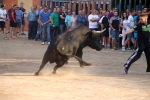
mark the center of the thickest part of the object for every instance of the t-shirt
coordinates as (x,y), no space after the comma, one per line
(2,14)
(130,22)
(45,16)
(19,15)
(105,23)
(62,21)
(100,21)
(23,10)
(125,25)
(73,20)
(110,15)
(92,24)
(143,32)
(67,20)
(114,21)
(55,18)
(10,17)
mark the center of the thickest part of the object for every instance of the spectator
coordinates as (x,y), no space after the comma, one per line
(8,13)
(81,20)
(3,19)
(105,25)
(93,20)
(44,19)
(73,20)
(19,15)
(32,18)
(13,23)
(111,14)
(129,26)
(23,20)
(123,25)
(114,25)
(54,22)
(62,17)
(67,19)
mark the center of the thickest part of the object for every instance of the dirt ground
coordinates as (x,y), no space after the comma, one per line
(104,80)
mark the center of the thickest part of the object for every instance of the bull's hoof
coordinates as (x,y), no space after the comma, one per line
(36,74)
(81,65)
(53,72)
(66,62)
(87,64)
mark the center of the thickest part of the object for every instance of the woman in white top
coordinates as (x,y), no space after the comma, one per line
(123,25)
(73,20)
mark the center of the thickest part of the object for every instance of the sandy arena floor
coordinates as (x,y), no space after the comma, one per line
(104,80)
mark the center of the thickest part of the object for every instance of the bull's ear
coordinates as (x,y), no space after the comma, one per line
(88,34)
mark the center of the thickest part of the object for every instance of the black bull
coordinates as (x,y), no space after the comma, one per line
(70,44)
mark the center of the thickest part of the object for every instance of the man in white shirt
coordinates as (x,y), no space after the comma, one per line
(93,20)
(2,20)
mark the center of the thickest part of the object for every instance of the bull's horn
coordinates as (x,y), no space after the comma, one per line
(95,32)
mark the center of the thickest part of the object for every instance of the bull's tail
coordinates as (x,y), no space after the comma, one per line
(82,61)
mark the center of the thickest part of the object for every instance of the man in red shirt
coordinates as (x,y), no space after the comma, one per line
(13,23)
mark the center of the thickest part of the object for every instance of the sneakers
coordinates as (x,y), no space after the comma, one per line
(48,43)
(129,49)
(10,37)
(6,38)
(123,49)
(125,69)
(114,48)
(22,34)
(43,43)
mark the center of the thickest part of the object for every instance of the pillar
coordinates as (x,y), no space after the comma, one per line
(88,7)
(125,5)
(93,5)
(145,2)
(120,2)
(115,3)
(140,4)
(134,4)
(130,4)
(104,5)
(75,7)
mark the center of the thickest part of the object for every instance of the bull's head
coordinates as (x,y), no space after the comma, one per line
(93,39)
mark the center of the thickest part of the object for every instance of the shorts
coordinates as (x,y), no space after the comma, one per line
(2,24)
(106,33)
(130,35)
(23,21)
(13,24)
(115,35)
(135,35)
(19,24)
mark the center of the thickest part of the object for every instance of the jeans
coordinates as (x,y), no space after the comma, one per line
(54,31)
(115,35)
(62,28)
(32,29)
(42,29)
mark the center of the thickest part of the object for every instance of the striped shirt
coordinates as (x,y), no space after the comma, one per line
(31,16)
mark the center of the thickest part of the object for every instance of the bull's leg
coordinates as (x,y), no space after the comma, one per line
(58,66)
(79,54)
(45,60)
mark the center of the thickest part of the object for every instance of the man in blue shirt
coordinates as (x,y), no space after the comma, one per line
(81,20)
(19,15)
(44,20)
(67,19)
(32,18)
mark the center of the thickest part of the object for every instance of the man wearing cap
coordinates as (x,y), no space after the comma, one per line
(23,20)
(2,20)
